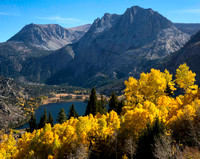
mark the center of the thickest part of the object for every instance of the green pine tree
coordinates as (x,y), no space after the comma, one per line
(61,116)
(50,120)
(72,112)
(120,106)
(147,139)
(32,123)
(43,120)
(93,106)
(168,91)
(102,105)
(113,103)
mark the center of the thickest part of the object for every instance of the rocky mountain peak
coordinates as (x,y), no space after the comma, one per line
(140,16)
(104,24)
(133,10)
(46,37)
(117,46)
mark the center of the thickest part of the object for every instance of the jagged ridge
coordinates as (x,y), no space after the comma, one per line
(48,37)
(117,46)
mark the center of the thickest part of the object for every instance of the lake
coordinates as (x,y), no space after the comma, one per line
(54,108)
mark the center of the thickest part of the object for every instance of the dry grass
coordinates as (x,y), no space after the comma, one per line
(190,153)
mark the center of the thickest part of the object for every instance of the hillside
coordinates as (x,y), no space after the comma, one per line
(189,54)
(38,69)
(11,95)
(13,55)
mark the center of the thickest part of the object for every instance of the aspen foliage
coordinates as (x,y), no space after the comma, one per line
(7,147)
(149,87)
(145,100)
(185,78)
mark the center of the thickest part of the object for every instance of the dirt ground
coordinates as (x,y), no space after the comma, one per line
(57,98)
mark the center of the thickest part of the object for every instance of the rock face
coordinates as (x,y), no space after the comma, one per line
(118,46)
(189,54)
(10,112)
(48,37)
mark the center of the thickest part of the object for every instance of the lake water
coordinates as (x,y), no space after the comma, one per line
(54,108)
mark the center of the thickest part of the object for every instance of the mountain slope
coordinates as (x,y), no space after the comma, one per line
(190,54)
(11,112)
(118,46)
(82,28)
(190,29)
(48,37)
(31,64)
(38,69)
(14,54)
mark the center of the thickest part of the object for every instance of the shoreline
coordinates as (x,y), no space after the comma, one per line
(55,99)
(63,101)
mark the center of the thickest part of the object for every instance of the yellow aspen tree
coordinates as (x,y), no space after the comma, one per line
(149,87)
(185,79)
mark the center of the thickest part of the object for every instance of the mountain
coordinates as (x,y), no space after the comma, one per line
(118,46)
(82,28)
(31,64)
(189,54)
(32,48)
(191,28)
(48,37)
(11,112)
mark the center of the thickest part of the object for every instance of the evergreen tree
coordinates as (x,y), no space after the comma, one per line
(168,91)
(61,116)
(43,120)
(32,123)
(72,112)
(113,103)
(93,106)
(102,105)
(50,120)
(120,106)
(146,143)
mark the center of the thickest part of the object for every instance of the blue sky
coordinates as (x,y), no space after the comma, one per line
(15,14)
